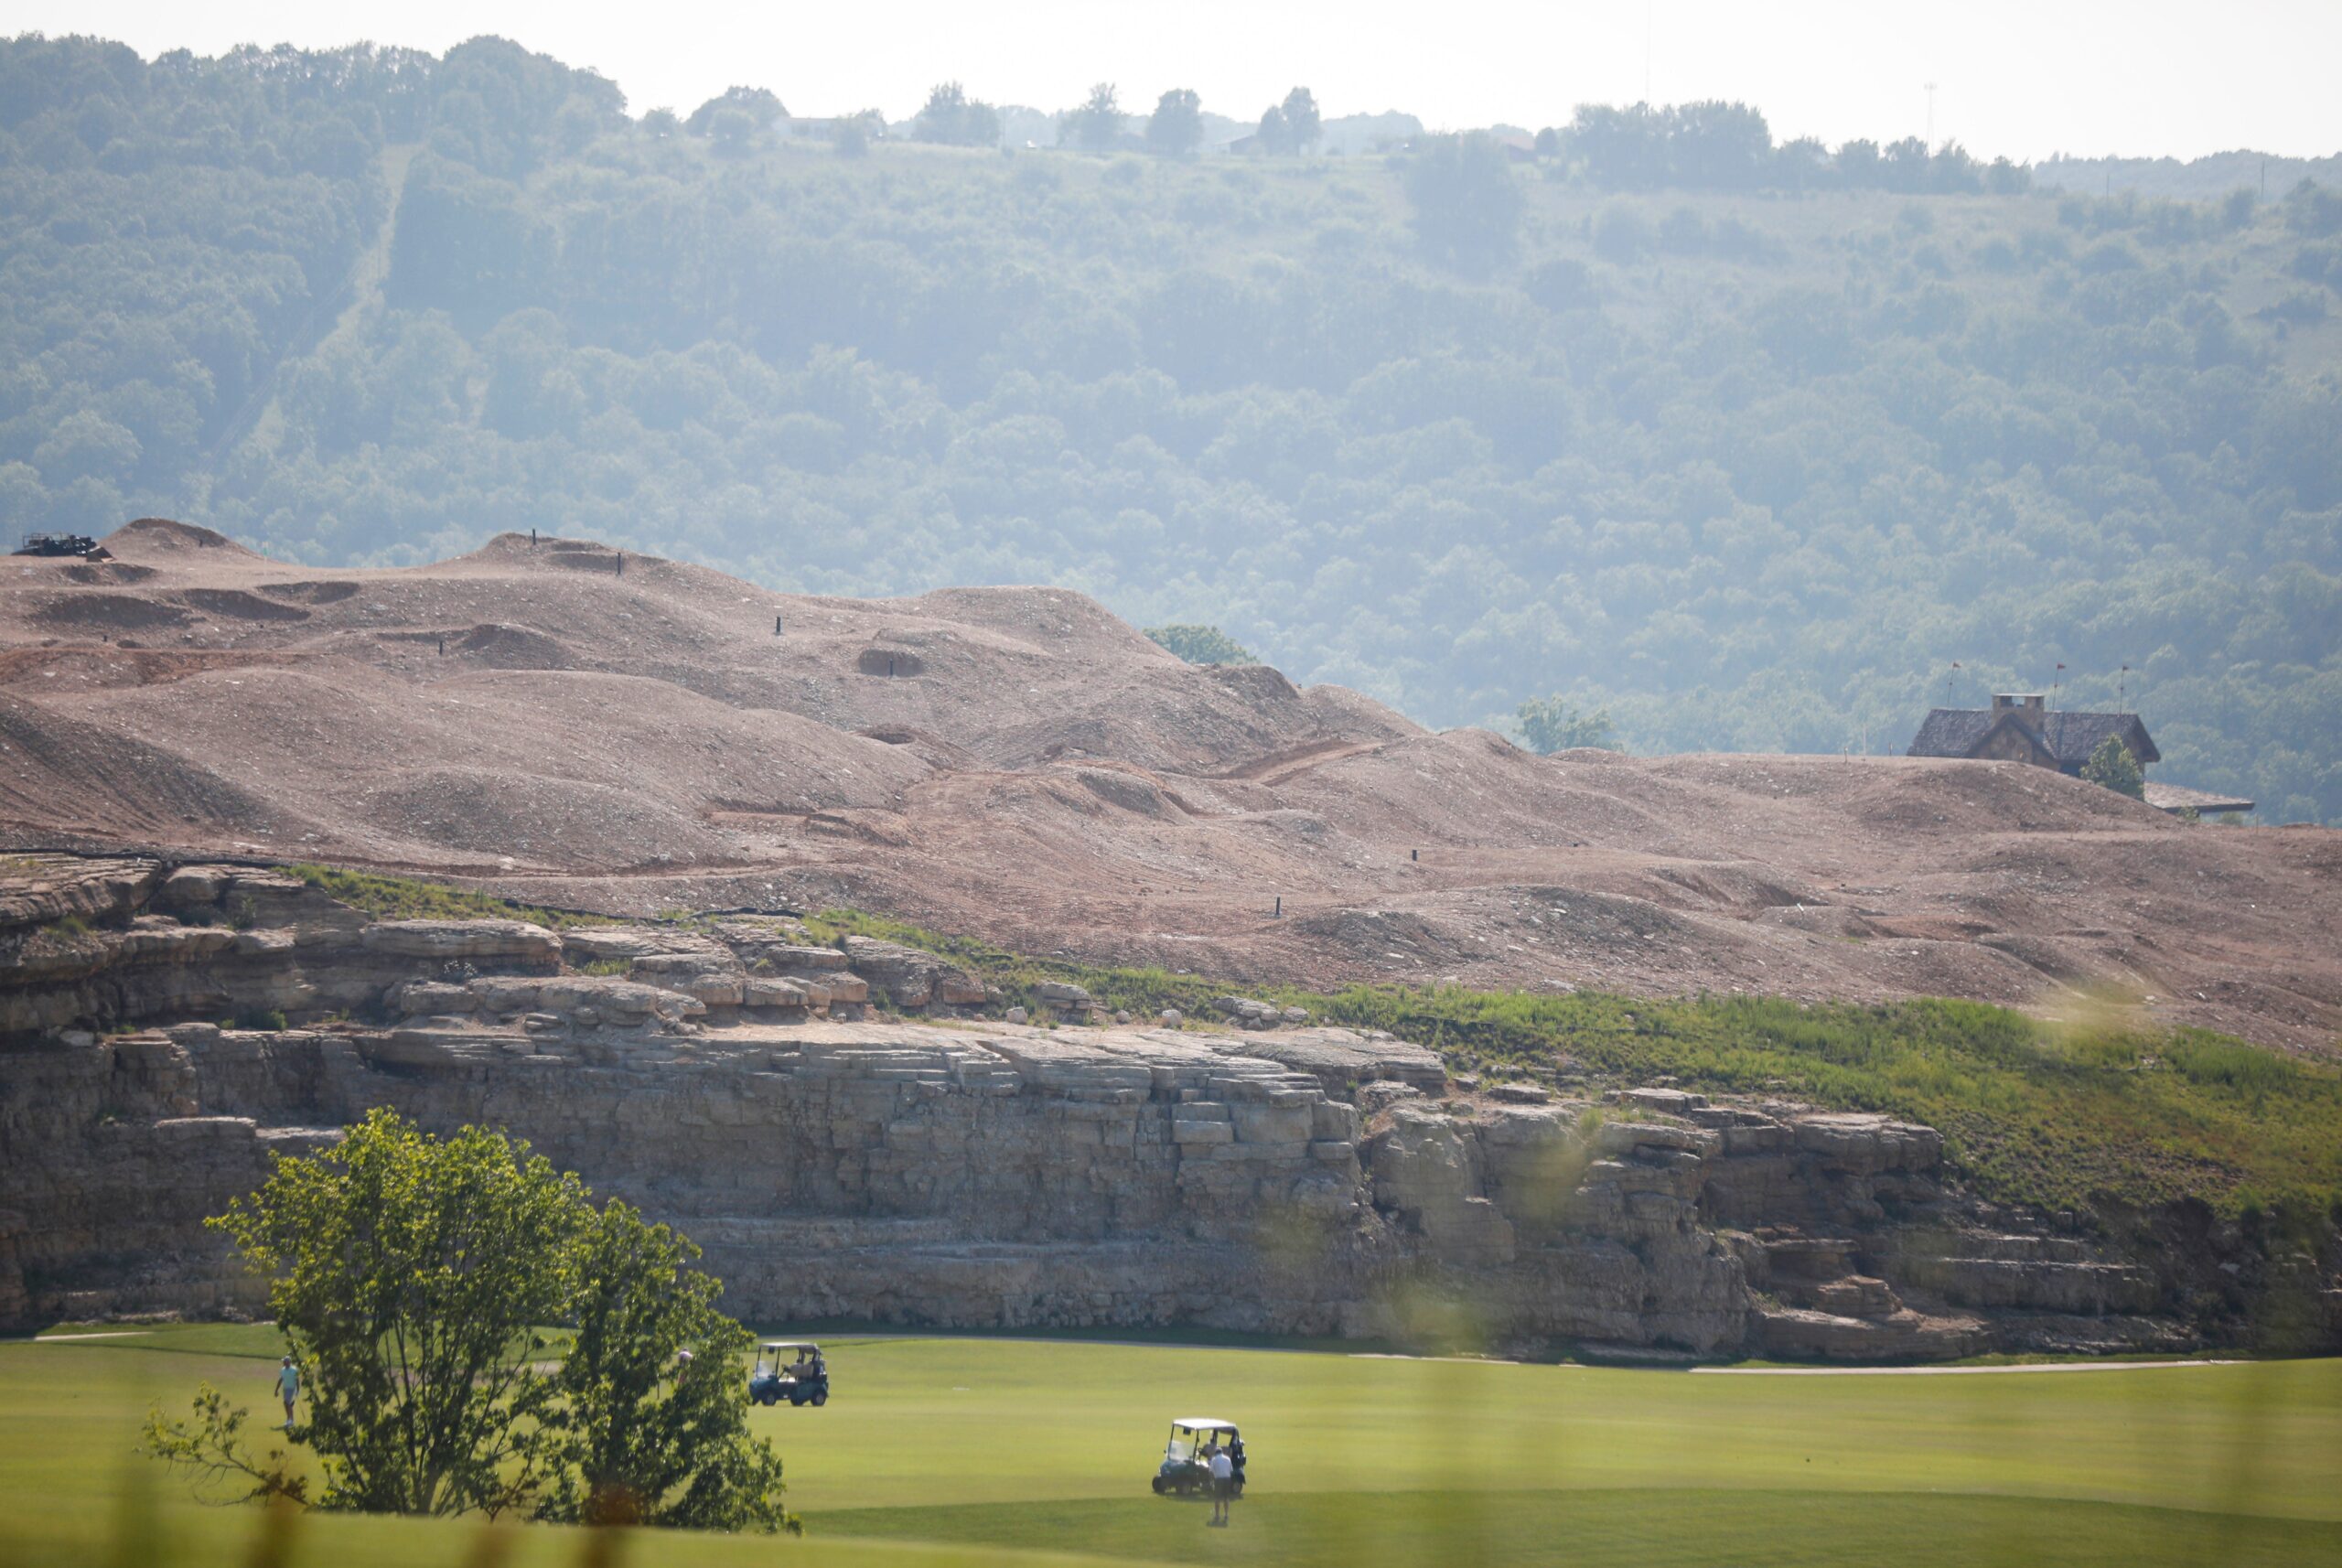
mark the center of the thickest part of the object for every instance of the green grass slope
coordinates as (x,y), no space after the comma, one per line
(984,1451)
(2032,1113)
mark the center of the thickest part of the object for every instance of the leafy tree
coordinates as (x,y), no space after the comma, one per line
(2113,765)
(1098,123)
(854,132)
(731,131)
(1466,204)
(951,117)
(1201,644)
(409,1276)
(662,122)
(1551,725)
(1859,165)
(1303,124)
(648,1437)
(1275,136)
(1177,126)
(1716,145)
(212,1446)
(758,104)
(1619,149)
(1801,165)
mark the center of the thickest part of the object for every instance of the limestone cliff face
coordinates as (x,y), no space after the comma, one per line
(960,1170)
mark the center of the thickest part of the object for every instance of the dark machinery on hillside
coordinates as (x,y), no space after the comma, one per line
(79,544)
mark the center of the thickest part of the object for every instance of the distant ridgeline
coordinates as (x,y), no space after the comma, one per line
(1740,442)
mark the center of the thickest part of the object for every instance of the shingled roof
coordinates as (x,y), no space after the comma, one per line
(2070,737)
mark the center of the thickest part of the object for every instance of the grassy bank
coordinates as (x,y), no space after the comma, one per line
(994,1451)
(2038,1113)
(411,898)
(2032,1112)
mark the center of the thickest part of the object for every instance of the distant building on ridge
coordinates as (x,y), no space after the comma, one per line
(2018,727)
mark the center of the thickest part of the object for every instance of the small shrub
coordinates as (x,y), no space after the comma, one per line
(269,1019)
(2113,765)
(1200,644)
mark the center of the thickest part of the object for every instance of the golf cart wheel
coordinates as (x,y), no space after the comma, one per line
(1156,1482)
(821,1397)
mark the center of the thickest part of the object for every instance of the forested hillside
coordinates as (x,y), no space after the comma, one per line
(1745,443)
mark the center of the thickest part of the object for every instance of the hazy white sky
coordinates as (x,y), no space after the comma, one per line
(2142,78)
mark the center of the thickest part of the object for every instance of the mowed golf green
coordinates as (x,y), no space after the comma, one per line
(986,1451)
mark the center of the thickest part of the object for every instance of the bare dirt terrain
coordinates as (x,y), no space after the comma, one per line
(562,725)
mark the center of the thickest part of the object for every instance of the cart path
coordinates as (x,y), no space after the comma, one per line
(105,1334)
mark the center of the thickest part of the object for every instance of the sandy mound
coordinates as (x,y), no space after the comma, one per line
(638,735)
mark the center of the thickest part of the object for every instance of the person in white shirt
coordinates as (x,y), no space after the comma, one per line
(1223,1482)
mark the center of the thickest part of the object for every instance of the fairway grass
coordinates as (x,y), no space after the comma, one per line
(987,1451)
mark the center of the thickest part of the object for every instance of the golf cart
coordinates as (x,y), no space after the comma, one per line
(805,1380)
(1184,1472)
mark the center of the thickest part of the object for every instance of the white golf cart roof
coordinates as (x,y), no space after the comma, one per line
(1203,1423)
(787,1345)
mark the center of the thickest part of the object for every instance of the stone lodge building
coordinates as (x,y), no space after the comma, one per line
(2018,727)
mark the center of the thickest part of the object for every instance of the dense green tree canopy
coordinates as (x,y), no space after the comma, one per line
(1551,724)
(1177,126)
(2113,765)
(1098,123)
(411,1277)
(951,116)
(1742,442)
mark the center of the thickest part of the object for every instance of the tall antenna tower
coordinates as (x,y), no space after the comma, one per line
(2123,690)
(1946,682)
(1931,116)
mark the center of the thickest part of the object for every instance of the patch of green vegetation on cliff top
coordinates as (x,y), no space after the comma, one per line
(2032,1113)
(411,898)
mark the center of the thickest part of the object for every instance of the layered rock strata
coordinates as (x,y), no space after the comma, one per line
(960,1170)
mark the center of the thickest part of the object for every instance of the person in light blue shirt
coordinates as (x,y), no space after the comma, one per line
(288,1386)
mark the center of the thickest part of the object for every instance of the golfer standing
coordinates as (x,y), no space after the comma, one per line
(1223,1483)
(288,1385)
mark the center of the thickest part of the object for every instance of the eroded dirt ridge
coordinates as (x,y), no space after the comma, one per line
(959,1169)
(630,734)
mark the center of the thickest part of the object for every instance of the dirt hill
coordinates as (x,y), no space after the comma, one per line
(566,725)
